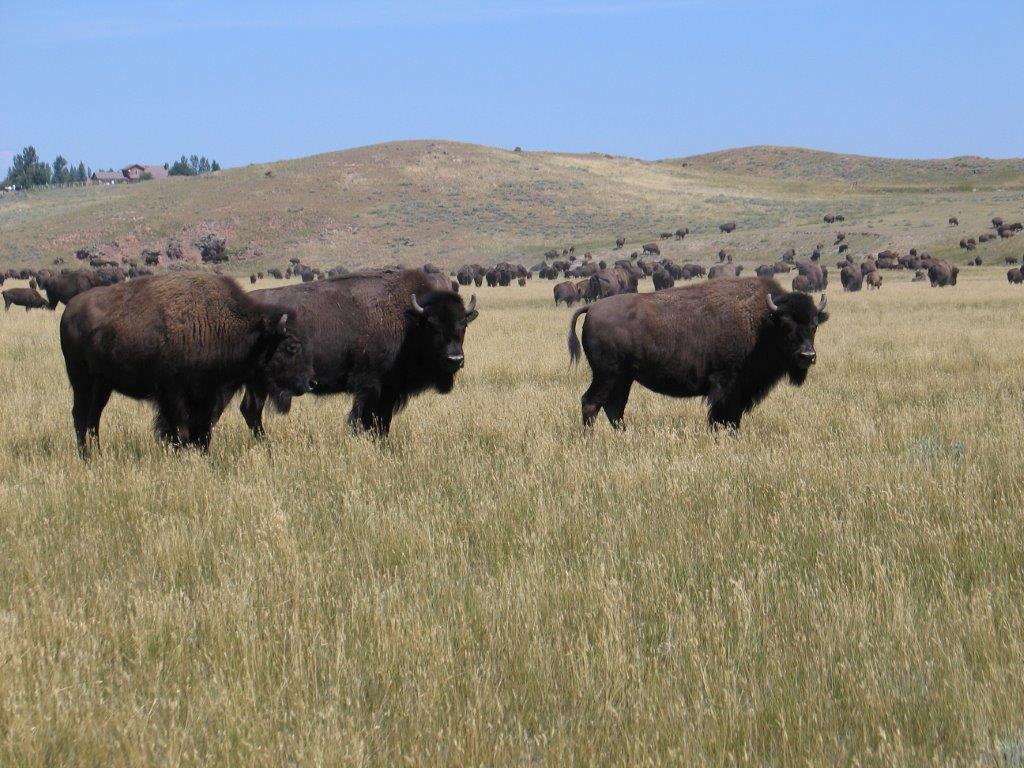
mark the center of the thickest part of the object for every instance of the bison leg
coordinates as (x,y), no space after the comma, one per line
(82,400)
(361,417)
(172,419)
(597,394)
(725,412)
(252,411)
(383,413)
(616,404)
(97,402)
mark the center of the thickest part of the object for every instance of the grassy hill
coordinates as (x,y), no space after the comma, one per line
(449,203)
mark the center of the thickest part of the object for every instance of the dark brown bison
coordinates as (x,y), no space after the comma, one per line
(728,227)
(840,236)
(652,248)
(665,235)
(566,292)
(724,255)
(610,282)
(829,218)
(691,271)
(724,270)
(816,274)
(781,267)
(942,273)
(873,280)
(551,254)
(802,284)
(662,279)
(764,270)
(585,291)
(843,247)
(60,289)
(954,221)
(619,242)
(730,342)
(789,256)
(920,276)
(185,341)
(682,232)
(967,243)
(1011,259)
(1006,232)
(852,278)
(1015,276)
(382,336)
(997,222)
(29,298)
(252,279)
(985,238)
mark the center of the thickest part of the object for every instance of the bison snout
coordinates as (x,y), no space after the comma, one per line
(457,361)
(809,356)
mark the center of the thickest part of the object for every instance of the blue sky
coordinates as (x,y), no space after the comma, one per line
(113,83)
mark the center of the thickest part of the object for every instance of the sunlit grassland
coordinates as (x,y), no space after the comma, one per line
(841,581)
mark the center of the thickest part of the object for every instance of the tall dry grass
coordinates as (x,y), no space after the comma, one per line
(839,583)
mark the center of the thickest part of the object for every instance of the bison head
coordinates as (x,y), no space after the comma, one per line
(795,318)
(438,328)
(286,362)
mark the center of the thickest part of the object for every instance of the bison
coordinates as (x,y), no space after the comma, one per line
(852,278)
(1013,275)
(730,342)
(382,336)
(619,242)
(728,227)
(185,341)
(29,298)
(873,280)
(60,289)
(566,292)
(662,279)
(652,248)
(942,273)
(682,232)
(724,270)
(954,221)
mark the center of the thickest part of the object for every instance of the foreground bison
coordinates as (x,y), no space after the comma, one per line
(187,342)
(383,336)
(29,298)
(729,341)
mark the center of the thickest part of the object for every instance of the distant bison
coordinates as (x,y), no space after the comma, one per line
(730,342)
(566,292)
(682,232)
(619,242)
(724,270)
(29,298)
(662,279)
(1015,276)
(954,221)
(652,248)
(382,336)
(187,342)
(60,289)
(728,227)
(873,280)
(852,278)
(942,273)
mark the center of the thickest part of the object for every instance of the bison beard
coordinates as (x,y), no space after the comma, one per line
(729,341)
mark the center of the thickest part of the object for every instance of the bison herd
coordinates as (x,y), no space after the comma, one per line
(188,341)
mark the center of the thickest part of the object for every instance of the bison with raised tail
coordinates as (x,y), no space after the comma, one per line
(383,336)
(729,341)
(187,342)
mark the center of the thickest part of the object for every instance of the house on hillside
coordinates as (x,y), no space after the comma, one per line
(133,172)
(108,177)
(137,171)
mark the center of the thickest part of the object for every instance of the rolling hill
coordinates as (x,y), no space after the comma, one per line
(449,203)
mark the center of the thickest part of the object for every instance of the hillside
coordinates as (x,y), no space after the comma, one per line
(449,203)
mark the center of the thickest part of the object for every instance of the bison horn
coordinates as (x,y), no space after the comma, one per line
(416,306)
(282,324)
(772,305)
(822,303)
(472,304)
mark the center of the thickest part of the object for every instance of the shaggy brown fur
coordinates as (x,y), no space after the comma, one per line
(720,340)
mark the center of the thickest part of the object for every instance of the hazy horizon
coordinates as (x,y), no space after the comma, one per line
(256,83)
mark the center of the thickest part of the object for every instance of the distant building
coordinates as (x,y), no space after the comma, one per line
(109,177)
(133,172)
(136,171)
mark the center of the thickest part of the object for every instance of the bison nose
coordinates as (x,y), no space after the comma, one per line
(458,360)
(809,355)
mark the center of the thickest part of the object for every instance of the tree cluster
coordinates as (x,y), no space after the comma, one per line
(193,166)
(28,171)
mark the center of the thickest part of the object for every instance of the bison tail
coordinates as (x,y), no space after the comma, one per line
(574,343)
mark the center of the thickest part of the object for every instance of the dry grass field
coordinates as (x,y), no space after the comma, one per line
(840,582)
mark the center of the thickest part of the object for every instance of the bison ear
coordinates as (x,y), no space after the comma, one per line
(822,317)
(275,323)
